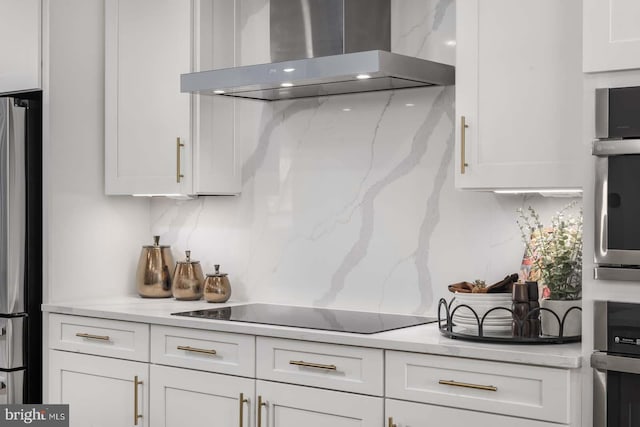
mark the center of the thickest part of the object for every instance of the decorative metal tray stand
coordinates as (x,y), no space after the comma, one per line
(480,332)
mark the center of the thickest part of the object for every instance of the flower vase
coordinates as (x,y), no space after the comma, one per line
(572,322)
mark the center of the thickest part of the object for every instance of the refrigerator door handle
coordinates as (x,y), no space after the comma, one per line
(12,354)
(11,387)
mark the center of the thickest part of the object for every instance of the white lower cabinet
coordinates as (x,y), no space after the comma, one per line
(183,397)
(411,414)
(459,391)
(100,391)
(193,377)
(285,405)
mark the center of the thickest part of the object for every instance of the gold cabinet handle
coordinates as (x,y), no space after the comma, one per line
(93,337)
(243,400)
(391,424)
(463,149)
(467,385)
(196,350)
(312,365)
(260,405)
(179,174)
(136,416)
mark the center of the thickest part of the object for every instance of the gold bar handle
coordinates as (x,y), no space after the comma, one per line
(136,416)
(467,385)
(179,174)
(196,350)
(391,424)
(243,400)
(312,365)
(93,337)
(463,148)
(260,405)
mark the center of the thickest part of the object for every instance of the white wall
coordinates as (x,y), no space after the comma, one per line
(92,241)
(352,209)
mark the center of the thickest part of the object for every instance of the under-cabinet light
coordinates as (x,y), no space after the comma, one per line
(363,76)
(541,191)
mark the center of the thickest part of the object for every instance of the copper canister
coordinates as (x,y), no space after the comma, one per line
(216,286)
(155,267)
(188,279)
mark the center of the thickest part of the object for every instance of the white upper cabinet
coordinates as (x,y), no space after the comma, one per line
(20,49)
(148,139)
(519,94)
(611,35)
(157,139)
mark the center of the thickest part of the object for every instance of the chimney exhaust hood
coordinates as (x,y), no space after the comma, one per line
(323,47)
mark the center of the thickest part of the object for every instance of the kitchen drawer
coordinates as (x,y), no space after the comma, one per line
(338,367)
(205,350)
(502,388)
(111,338)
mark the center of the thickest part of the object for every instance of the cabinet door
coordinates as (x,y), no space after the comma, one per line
(20,24)
(100,391)
(519,89)
(182,397)
(294,406)
(148,142)
(611,35)
(409,414)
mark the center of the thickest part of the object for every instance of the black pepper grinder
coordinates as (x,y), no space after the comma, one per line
(520,307)
(534,310)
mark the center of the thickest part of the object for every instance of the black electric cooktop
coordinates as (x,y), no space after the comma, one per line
(358,322)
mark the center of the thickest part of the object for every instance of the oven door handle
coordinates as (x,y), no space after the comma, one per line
(606,362)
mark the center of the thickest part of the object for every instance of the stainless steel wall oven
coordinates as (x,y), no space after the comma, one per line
(616,363)
(617,190)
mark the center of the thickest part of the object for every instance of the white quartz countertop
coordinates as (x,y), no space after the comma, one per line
(420,339)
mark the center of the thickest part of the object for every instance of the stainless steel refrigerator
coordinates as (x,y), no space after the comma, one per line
(20,248)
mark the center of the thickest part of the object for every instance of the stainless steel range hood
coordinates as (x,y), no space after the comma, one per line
(323,47)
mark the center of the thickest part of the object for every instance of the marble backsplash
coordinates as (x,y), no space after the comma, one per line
(349,201)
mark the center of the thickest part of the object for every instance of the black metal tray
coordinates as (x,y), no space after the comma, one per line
(449,329)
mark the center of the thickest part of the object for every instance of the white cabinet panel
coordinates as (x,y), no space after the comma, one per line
(295,406)
(20,49)
(409,414)
(205,350)
(611,32)
(100,391)
(339,367)
(102,337)
(519,88)
(502,388)
(182,397)
(216,160)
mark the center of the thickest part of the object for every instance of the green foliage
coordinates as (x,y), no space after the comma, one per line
(556,251)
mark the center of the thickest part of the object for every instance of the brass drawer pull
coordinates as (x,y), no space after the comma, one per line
(196,350)
(93,337)
(463,145)
(312,365)
(242,400)
(179,174)
(467,385)
(261,403)
(136,383)
(391,424)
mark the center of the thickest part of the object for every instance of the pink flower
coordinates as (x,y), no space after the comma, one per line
(546,292)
